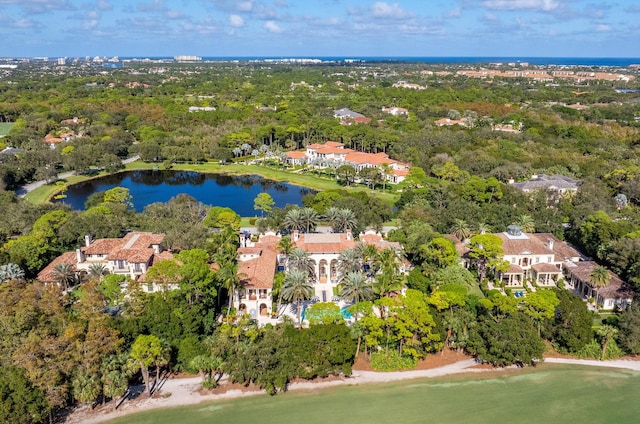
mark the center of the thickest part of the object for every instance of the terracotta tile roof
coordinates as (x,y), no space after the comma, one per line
(296,155)
(131,255)
(333,144)
(332,150)
(325,243)
(102,246)
(258,273)
(400,172)
(162,256)
(47,274)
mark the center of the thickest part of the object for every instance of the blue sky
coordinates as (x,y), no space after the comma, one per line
(518,28)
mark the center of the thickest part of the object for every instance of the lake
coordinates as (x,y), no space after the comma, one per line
(146,187)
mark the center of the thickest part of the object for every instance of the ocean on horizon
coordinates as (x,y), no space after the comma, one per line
(546,61)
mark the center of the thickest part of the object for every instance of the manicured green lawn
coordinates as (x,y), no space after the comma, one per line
(5,127)
(548,394)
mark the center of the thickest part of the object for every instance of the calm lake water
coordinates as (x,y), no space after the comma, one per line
(146,187)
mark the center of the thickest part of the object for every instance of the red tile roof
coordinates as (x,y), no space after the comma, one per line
(47,274)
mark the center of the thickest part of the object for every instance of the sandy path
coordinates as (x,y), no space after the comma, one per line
(184,391)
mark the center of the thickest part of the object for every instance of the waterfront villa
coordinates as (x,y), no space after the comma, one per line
(131,256)
(541,260)
(332,151)
(259,261)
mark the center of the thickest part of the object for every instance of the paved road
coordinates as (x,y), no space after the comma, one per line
(22,191)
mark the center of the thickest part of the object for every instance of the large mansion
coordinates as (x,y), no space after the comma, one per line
(542,260)
(335,151)
(131,256)
(260,260)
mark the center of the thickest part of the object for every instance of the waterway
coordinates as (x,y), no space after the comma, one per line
(146,187)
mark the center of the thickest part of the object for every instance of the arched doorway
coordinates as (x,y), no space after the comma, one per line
(263,310)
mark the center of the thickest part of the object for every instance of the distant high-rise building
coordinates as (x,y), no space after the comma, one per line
(187,58)
(62,61)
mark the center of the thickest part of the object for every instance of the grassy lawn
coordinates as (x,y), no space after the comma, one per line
(5,127)
(547,394)
(44,193)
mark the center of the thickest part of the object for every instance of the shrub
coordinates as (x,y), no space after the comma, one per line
(252,221)
(391,361)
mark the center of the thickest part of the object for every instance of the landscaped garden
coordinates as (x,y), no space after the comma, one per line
(546,394)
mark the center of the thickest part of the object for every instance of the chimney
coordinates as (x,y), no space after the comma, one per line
(156,249)
(87,240)
(79,256)
(243,240)
(511,181)
(349,234)
(296,235)
(550,244)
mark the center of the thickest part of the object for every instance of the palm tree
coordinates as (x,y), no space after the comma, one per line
(97,271)
(114,384)
(297,288)
(608,333)
(10,272)
(86,388)
(346,220)
(356,287)
(299,260)
(349,260)
(388,279)
(369,254)
(526,223)
(483,228)
(228,275)
(64,274)
(246,148)
(332,215)
(236,152)
(460,229)
(293,220)
(309,218)
(286,246)
(599,277)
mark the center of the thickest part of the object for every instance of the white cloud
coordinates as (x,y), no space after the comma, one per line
(236,21)
(40,6)
(245,6)
(540,5)
(90,24)
(455,13)
(603,28)
(389,11)
(104,5)
(174,14)
(272,27)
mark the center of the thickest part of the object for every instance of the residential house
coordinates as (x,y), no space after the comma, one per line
(335,151)
(447,122)
(395,111)
(295,158)
(260,260)
(616,294)
(348,117)
(131,256)
(558,183)
(538,260)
